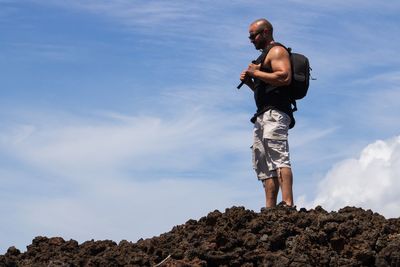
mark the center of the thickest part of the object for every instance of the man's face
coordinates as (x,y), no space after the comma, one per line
(256,36)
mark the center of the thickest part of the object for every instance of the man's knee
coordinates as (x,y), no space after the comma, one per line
(284,173)
(271,186)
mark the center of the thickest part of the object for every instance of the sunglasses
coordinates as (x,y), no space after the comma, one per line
(253,36)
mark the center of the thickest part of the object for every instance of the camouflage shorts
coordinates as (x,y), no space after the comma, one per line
(270,147)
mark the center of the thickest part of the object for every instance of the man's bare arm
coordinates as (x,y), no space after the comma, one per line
(279,61)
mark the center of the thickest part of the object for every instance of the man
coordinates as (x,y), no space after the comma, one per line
(274,114)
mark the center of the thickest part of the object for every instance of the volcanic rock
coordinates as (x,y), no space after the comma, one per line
(280,236)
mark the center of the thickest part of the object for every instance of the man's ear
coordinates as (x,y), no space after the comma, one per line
(264,32)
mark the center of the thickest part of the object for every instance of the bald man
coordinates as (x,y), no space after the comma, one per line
(274,114)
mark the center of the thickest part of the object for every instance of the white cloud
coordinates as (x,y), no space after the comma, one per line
(370,181)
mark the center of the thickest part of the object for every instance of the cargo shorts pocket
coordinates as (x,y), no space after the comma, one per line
(276,125)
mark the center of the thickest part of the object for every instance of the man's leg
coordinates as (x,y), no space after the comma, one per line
(286,182)
(260,164)
(271,187)
(275,134)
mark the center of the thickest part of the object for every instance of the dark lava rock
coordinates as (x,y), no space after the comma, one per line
(279,236)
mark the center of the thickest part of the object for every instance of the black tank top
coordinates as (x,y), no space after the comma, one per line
(271,97)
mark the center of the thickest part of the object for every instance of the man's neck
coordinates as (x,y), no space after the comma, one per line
(269,43)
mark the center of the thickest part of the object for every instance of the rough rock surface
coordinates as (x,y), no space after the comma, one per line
(238,237)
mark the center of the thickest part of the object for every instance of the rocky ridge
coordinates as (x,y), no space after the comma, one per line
(279,236)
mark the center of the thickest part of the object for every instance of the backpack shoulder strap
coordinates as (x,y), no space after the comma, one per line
(279,44)
(271,88)
(270,46)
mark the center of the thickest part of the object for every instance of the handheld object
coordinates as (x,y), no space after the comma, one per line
(259,60)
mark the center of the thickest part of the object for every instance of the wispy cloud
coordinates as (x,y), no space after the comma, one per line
(154,16)
(390,79)
(43,51)
(306,135)
(176,144)
(350,5)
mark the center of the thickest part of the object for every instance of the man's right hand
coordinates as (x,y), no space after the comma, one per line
(244,77)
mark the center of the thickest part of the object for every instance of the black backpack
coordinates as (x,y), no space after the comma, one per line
(300,74)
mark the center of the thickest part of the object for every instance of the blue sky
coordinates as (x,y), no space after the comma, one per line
(121,119)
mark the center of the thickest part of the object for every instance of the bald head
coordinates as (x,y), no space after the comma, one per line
(263,24)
